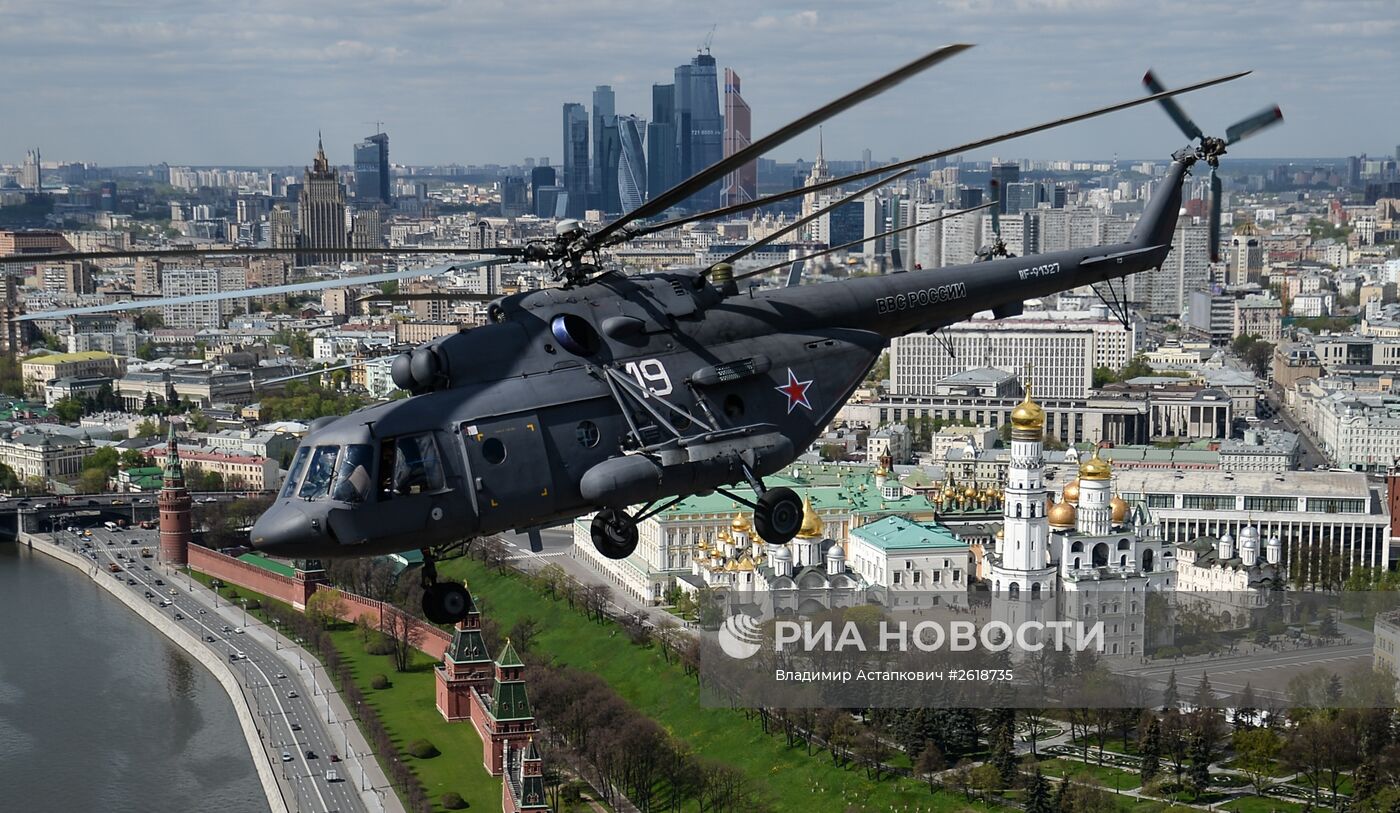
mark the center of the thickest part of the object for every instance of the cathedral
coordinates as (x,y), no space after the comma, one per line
(1085,558)
(808,574)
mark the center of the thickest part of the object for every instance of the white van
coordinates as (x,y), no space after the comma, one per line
(332,775)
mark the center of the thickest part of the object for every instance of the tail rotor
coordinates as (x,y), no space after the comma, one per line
(1210,148)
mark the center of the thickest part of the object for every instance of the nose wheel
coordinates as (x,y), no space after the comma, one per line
(614,533)
(443,602)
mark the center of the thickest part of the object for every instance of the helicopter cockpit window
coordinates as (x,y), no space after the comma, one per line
(417,466)
(319,473)
(294,471)
(352,479)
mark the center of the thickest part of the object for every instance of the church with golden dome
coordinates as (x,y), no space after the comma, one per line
(808,574)
(1088,556)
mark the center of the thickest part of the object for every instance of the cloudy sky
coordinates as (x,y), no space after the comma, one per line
(476,81)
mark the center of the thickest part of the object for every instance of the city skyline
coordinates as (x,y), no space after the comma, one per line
(1314,61)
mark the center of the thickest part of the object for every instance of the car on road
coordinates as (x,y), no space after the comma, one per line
(286,756)
(131,582)
(179,617)
(143,501)
(149,594)
(160,583)
(165,602)
(237,630)
(281,676)
(334,758)
(93,502)
(310,754)
(292,695)
(332,775)
(207,499)
(209,638)
(145,567)
(227,628)
(296,726)
(118,502)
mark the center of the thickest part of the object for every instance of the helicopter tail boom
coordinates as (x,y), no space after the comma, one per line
(898,304)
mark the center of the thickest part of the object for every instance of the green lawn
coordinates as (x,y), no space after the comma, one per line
(1275,769)
(793,780)
(408,709)
(1113,743)
(1261,804)
(1110,778)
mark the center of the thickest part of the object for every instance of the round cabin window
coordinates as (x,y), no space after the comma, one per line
(493,450)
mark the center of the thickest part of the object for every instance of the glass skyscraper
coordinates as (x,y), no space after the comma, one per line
(372,179)
(576,175)
(631,165)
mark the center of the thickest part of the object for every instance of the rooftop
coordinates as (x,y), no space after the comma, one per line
(898,533)
(66,358)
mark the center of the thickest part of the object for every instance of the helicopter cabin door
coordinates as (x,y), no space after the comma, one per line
(509,470)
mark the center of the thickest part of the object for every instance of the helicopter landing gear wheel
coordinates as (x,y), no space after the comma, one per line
(778,516)
(614,533)
(446,602)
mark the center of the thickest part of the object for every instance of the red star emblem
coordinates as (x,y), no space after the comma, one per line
(796,391)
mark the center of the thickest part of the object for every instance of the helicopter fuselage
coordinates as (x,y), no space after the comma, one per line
(630,390)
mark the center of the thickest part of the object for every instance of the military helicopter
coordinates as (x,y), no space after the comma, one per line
(620,395)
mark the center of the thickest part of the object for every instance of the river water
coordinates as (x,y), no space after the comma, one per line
(99,711)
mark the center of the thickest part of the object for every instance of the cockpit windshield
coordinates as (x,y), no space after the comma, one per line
(319,473)
(294,471)
(352,479)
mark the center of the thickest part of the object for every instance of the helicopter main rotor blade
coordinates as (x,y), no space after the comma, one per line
(1246,127)
(801,221)
(343,282)
(833,249)
(421,296)
(1173,109)
(778,137)
(69,256)
(922,159)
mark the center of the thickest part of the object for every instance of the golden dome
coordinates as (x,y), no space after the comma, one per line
(1120,508)
(745,564)
(741,523)
(880,471)
(970,492)
(1001,533)
(1028,414)
(812,525)
(1095,468)
(1062,515)
(730,566)
(1071,492)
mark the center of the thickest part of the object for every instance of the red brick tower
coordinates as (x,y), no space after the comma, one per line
(503,718)
(176,510)
(466,667)
(523,788)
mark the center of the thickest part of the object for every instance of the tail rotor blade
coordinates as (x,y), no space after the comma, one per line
(1214,236)
(1246,127)
(1173,109)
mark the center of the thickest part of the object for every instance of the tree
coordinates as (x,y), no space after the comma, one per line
(1198,774)
(1256,750)
(406,633)
(92,481)
(68,410)
(1171,701)
(148,428)
(1038,794)
(325,607)
(929,762)
(523,633)
(830,452)
(104,460)
(1151,749)
(133,459)
(1004,754)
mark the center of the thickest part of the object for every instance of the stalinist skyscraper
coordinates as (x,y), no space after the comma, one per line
(321,212)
